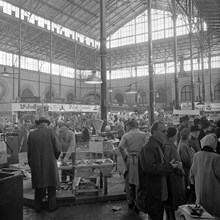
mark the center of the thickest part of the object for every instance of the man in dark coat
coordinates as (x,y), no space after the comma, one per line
(184,120)
(43,151)
(194,142)
(153,170)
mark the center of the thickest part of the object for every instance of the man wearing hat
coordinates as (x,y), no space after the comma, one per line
(184,123)
(194,142)
(43,151)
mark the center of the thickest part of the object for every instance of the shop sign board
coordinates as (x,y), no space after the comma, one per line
(25,107)
(212,107)
(53,107)
(83,108)
(177,114)
(32,99)
(59,100)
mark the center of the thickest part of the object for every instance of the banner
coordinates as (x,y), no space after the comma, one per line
(53,107)
(212,107)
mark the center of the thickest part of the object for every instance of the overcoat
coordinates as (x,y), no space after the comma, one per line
(205,174)
(130,145)
(176,184)
(152,170)
(43,150)
(186,153)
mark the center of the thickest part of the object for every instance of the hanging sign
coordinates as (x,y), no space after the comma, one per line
(53,107)
(25,107)
(212,107)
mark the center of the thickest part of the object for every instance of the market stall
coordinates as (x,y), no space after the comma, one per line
(90,175)
(177,114)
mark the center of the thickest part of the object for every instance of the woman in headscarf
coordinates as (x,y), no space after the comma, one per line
(205,175)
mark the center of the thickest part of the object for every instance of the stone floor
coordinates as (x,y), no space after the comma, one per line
(96,211)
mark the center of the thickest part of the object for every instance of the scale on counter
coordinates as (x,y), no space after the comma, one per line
(97,124)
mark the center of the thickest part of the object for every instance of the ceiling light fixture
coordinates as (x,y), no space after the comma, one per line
(130,90)
(5,73)
(93,79)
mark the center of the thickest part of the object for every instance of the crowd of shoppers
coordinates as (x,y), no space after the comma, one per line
(173,166)
(177,166)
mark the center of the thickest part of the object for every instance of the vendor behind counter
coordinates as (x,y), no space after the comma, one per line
(108,134)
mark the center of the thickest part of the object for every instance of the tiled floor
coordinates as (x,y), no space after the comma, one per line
(97,211)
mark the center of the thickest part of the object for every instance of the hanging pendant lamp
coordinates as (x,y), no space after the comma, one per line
(130,90)
(93,79)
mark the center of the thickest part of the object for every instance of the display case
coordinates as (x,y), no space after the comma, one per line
(90,175)
(93,165)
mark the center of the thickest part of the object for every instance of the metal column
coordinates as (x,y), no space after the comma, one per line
(19,58)
(165,68)
(103,55)
(13,79)
(60,83)
(210,67)
(191,54)
(176,81)
(39,79)
(150,65)
(75,74)
(165,64)
(199,80)
(110,77)
(51,59)
(202,60)
(135,68)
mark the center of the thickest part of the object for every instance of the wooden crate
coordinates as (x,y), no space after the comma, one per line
(91,186)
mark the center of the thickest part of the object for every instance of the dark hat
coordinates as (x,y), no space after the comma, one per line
(184,118)
(171,132)
(132,124)
(197,121)
(43,119)
(194,128)
(185,133)
(205,123)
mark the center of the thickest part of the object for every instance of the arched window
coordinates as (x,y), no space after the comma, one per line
(70,98)
(48,97)
(160,96)
(186,93)
(119,98)
(27,93)
(217,92)
(92,99)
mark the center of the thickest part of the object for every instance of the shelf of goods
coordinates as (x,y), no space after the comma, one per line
(192,211)
(90,175)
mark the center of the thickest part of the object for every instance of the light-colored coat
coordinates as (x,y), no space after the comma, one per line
(68,143)
(43,150)
(205,174)
(130,146)
(186,155)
